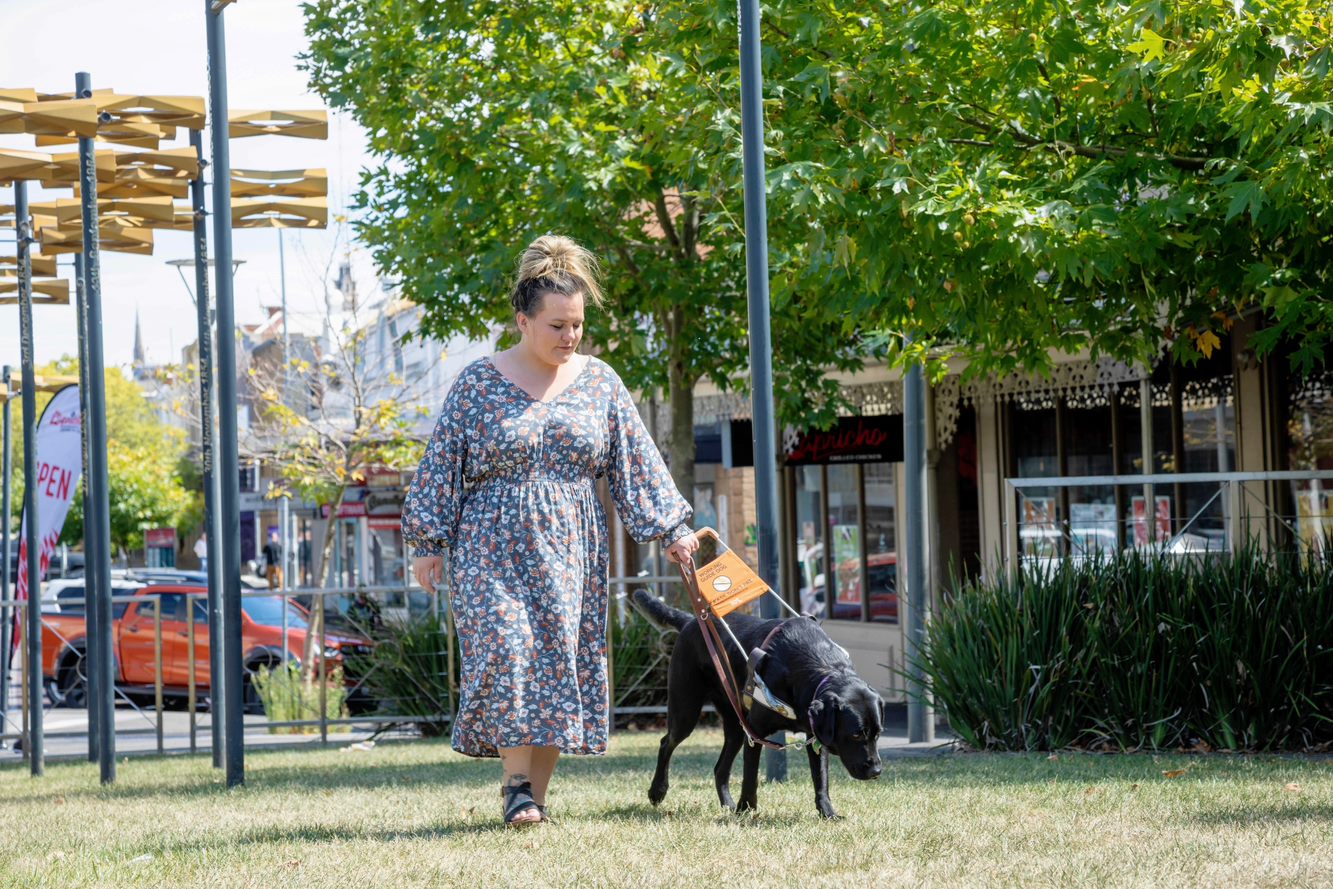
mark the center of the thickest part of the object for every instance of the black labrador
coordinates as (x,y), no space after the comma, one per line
(804,667)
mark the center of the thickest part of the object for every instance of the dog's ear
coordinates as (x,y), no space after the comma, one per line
(883,713)
(824,719)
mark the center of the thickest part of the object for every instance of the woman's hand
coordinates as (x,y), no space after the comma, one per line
(683,549)
(429,571)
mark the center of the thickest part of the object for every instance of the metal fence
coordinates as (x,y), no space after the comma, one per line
(317,662)
(1181,513)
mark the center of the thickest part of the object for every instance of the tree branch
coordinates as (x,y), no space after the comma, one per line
(664,220)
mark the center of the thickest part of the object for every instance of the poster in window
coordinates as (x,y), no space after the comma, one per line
(1092,528)
(1140,520)
(1037,529)
(847,558)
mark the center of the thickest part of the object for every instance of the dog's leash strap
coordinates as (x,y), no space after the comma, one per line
(716,651)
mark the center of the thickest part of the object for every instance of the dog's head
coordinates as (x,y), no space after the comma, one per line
(847,717)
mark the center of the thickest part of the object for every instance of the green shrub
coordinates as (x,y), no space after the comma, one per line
(1139,652)
(407,672)
(289,696)
(640,653)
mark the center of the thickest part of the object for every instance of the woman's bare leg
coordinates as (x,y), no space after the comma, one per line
(543,767)
(518,767)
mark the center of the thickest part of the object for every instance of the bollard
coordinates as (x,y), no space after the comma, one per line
(157,667)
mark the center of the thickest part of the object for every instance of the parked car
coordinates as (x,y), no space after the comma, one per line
(69,595)
(882,580)
(64,643)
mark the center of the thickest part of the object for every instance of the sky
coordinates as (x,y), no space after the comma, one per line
(159,47)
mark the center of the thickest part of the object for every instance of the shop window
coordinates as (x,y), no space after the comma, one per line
(1098,432)
(846,546)
(1310,447)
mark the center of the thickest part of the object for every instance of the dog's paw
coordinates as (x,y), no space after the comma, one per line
(656,795)
(829,815)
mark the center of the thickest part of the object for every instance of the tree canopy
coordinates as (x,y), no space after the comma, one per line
(1002,179)
(995,180)
(144,461)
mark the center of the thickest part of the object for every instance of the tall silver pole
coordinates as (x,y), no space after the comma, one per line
(97,523)
(228,463)
(284,506)
(93,691)
(34,746)
(920,719)
(7,616)
(761,349)
(204,325)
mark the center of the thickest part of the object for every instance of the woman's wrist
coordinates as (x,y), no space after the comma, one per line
(676,533)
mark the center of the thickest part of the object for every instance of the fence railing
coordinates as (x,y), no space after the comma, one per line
(1177,513)
(171,667)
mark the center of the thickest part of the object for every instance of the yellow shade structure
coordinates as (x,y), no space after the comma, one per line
(45,291)
(52,170)
(298,124)
(139,121)
(180,163)
(16,94)
(141,183)
(77,117)
(42,383)
(68,212)
(117,236)
(285,183)
(41,265)
(280,213)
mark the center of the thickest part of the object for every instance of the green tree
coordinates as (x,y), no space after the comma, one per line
(143,465)
(1003,179)
(499,120)
(327,424)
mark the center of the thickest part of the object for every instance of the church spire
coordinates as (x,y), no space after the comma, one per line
(139,359)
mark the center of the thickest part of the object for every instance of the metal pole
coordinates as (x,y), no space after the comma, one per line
(204,321)
(284,505)
(33,746)
(97,523)
(7,617)
(228,465)
(920,719)
(761,349)
(91,593)
(1149,458)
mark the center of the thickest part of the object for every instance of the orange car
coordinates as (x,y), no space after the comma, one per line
(64,644)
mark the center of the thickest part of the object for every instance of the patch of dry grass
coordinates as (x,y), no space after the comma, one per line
(416,814)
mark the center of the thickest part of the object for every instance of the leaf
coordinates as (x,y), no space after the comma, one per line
(1292,788)
(1174,773)
(1207,342)
(1150,45)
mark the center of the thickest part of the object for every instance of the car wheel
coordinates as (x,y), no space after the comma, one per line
(250,700)
(71,685)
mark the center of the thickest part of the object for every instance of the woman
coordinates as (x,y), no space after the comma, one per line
(507,485)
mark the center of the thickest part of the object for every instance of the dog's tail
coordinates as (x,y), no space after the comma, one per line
(659,612)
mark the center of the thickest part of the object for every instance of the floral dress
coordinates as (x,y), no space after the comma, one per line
(508,486)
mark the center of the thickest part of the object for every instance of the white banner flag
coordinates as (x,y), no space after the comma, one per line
(59,465)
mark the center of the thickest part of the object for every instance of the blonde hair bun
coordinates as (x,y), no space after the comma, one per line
(554,264)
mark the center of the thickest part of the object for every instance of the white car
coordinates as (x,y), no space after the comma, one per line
(68,595)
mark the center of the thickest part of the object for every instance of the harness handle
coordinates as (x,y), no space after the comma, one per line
(721,663)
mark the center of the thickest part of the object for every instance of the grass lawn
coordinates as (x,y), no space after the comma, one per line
(417,814)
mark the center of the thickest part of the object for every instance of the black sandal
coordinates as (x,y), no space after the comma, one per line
(517,800)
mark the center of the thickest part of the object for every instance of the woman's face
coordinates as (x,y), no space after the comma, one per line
(554,333)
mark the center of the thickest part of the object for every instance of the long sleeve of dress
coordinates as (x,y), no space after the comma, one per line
(435,499)
(644,493)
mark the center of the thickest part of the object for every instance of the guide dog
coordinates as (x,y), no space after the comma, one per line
(803,667)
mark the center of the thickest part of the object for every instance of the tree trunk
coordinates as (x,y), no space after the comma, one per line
(680,394)
(312,635)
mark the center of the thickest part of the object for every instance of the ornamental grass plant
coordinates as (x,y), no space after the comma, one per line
(1141,652)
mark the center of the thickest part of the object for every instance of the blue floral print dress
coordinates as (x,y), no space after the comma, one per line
(508,487)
